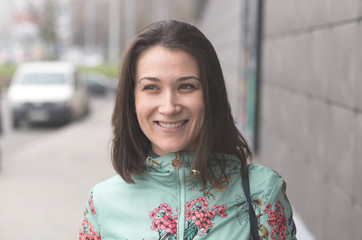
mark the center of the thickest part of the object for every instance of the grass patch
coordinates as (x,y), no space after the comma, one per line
(108,70)
(6,73)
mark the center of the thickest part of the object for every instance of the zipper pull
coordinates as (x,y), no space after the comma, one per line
(153,162)
(195,172)
(177,162)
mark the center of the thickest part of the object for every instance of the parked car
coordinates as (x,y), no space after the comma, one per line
(99,84)
(47,92)
(1,116)
(1,131)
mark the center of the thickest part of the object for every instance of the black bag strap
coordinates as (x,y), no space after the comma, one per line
(252,217)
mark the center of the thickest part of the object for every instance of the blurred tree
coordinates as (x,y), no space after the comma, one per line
(46,19)
(90,24)
(97,31)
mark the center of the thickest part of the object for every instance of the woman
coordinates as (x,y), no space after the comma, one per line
(177,151)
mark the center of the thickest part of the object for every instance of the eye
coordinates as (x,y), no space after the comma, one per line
(150,87)
(187,86)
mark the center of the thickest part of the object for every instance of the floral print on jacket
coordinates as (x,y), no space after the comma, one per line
(87,231)
(198,218)
(151,209)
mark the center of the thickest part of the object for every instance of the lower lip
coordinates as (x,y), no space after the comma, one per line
(171,129)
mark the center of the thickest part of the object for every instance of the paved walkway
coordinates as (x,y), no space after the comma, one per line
(44,185)
(302,231)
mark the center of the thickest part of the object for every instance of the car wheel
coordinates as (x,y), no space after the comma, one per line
(86,110)
(16,123)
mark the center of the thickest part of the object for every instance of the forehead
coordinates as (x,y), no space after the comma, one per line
(161,60)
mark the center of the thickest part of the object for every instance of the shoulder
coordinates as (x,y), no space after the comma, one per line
(115,180)
(270,202)
(108,187)
(264,181)
(117,189)
(260,173)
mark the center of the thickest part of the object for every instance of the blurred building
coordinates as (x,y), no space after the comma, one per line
(312,109)
(104,27)
(309,101)
(294,86)
(5,29)
(34,29)
(84,31)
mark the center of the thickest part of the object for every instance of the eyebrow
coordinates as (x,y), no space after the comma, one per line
(184,78)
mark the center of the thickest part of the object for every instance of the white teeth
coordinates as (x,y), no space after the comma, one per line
(170,125)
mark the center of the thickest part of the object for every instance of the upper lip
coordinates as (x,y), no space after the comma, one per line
(167,122)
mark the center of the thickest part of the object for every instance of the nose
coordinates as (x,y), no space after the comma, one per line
(169,104)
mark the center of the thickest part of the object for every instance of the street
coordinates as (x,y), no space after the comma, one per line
(47,173)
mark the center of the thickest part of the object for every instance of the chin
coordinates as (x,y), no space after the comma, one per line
(163,150)
(173,149)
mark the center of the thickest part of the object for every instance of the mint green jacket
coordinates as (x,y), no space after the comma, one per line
(166,203)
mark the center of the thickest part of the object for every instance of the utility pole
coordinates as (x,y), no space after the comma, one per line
(90,35)
(114,31)
(160,9)
(130,19)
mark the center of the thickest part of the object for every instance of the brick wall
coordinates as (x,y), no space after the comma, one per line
(311,109)
(311,102)
(221,24)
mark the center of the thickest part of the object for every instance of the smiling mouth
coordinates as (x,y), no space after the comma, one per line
(172,125)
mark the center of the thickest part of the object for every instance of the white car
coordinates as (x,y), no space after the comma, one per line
(47,92)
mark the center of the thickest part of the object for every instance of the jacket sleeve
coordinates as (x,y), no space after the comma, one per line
(277,219)
(89,229)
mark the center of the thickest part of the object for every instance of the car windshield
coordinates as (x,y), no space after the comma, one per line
(43,78)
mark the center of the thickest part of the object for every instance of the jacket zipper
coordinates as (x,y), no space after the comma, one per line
(182,201)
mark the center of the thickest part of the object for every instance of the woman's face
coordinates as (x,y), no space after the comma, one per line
(169,99)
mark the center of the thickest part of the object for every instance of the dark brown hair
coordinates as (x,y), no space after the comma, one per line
(218,134)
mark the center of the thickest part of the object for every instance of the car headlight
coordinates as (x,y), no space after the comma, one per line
(17,104)
(65,103)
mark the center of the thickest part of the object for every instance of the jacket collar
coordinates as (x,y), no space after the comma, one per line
(165,162)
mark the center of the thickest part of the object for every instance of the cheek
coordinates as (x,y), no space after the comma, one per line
(144,110)
(140,112)
(198,111)
(138,108)
(201,117)
(199,108)
(138,104)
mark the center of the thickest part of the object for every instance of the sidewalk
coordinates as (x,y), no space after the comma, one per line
(302,231)
(45,185)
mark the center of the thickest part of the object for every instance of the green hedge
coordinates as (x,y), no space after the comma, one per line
(6,73)
(109,70)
